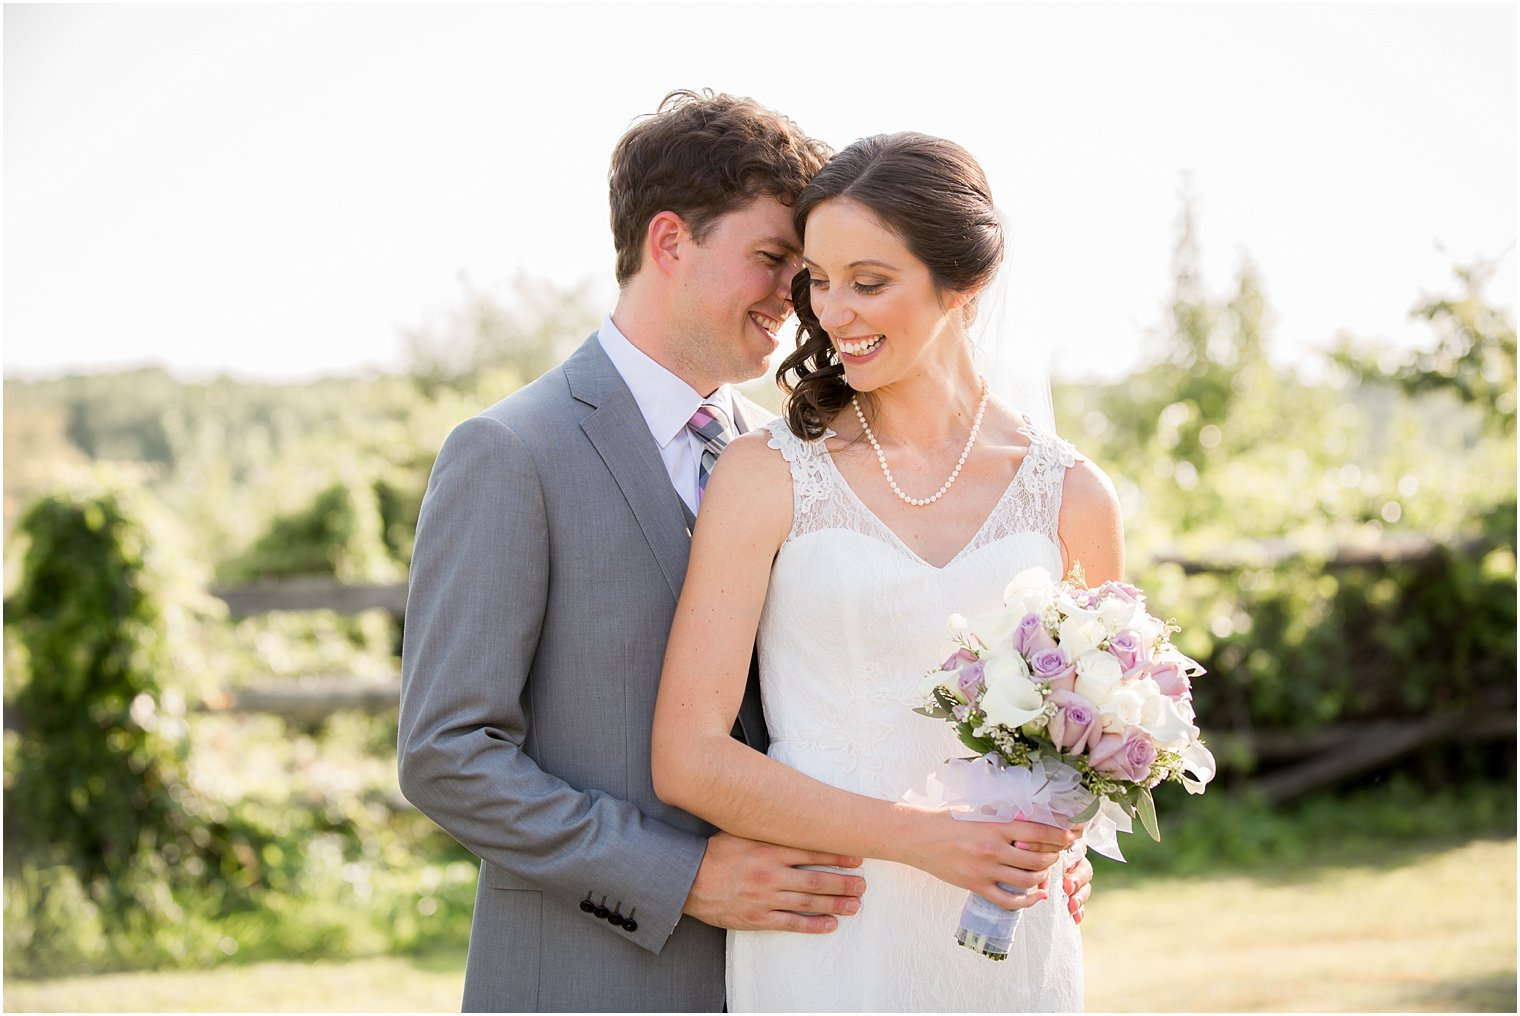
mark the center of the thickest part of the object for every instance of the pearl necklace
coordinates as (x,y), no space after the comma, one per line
(881,457)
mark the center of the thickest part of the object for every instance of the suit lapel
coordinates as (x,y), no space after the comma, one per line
(621,437)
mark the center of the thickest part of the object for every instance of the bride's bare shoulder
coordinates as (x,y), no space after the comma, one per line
(754,455)
(751,486)
(1091,528)
(1088,488)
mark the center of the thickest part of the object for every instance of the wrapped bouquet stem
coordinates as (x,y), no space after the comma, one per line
(1076,704)
(987,789)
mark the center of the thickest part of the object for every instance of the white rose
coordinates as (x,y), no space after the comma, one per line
(1098,674)
(1118,614)
(1011,699)
(1005,666)
(1080,633)
(1147,627)
(1122,709)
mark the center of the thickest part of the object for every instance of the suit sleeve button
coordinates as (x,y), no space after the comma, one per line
(630,925)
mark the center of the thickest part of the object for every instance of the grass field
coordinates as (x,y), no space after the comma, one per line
(1435,932)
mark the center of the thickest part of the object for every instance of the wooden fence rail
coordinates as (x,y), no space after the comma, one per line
(312,593)
(309,698)
(1398,548)
(1291,763)
(320,592)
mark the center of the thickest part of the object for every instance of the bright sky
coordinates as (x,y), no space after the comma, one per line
(277,191)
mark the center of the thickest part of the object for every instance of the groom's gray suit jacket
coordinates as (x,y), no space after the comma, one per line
(550,552)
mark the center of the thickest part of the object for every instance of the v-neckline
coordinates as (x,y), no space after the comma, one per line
(1018,473)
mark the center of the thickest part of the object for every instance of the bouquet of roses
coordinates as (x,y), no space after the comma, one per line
(1077,704)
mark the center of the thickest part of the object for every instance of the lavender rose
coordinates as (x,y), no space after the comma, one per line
(954,660)
(1053,666)
(1127,758)
(1030,636)
(1123,590)
(1075,727)
(968,671)
(1128,648)
(971,681)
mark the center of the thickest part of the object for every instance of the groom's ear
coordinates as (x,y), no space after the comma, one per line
(664,240)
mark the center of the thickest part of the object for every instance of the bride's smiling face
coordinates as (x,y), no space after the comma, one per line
(877,301)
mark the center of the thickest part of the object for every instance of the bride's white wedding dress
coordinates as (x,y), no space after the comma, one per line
(853,620)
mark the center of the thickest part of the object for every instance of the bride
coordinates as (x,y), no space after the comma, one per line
(894,492)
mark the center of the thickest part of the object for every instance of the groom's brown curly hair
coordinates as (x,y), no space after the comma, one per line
(700,155)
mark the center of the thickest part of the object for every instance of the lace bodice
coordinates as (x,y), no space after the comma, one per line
(821,499)
(853,620)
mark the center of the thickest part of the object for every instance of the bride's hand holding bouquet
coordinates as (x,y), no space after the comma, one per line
(1007,862)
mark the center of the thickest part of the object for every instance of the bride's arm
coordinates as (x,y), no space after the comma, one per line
(1091,534)
(746,514)
(1091,531)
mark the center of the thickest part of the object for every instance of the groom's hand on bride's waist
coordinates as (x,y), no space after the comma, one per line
(746,885)
(1078,886)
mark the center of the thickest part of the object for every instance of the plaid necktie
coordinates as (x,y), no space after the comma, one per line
(711,425)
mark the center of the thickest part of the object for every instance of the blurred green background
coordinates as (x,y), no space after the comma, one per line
(201,634)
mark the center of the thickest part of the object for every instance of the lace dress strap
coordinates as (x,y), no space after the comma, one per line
(1042,478)
(812,480)
(820,500)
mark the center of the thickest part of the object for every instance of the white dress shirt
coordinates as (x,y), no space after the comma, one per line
(667,403)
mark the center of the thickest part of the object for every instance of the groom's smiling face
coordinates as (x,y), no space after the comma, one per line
(735,294)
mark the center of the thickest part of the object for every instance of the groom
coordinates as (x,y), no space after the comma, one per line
(550,553)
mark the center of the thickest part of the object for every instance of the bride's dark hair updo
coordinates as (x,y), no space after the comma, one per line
(929,192)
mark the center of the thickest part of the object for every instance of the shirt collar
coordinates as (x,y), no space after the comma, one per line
(665,400)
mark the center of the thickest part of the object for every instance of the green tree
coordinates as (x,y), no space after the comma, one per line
(528,327)
(1208,398)
(1473,357)
(98,775)
(341,533)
